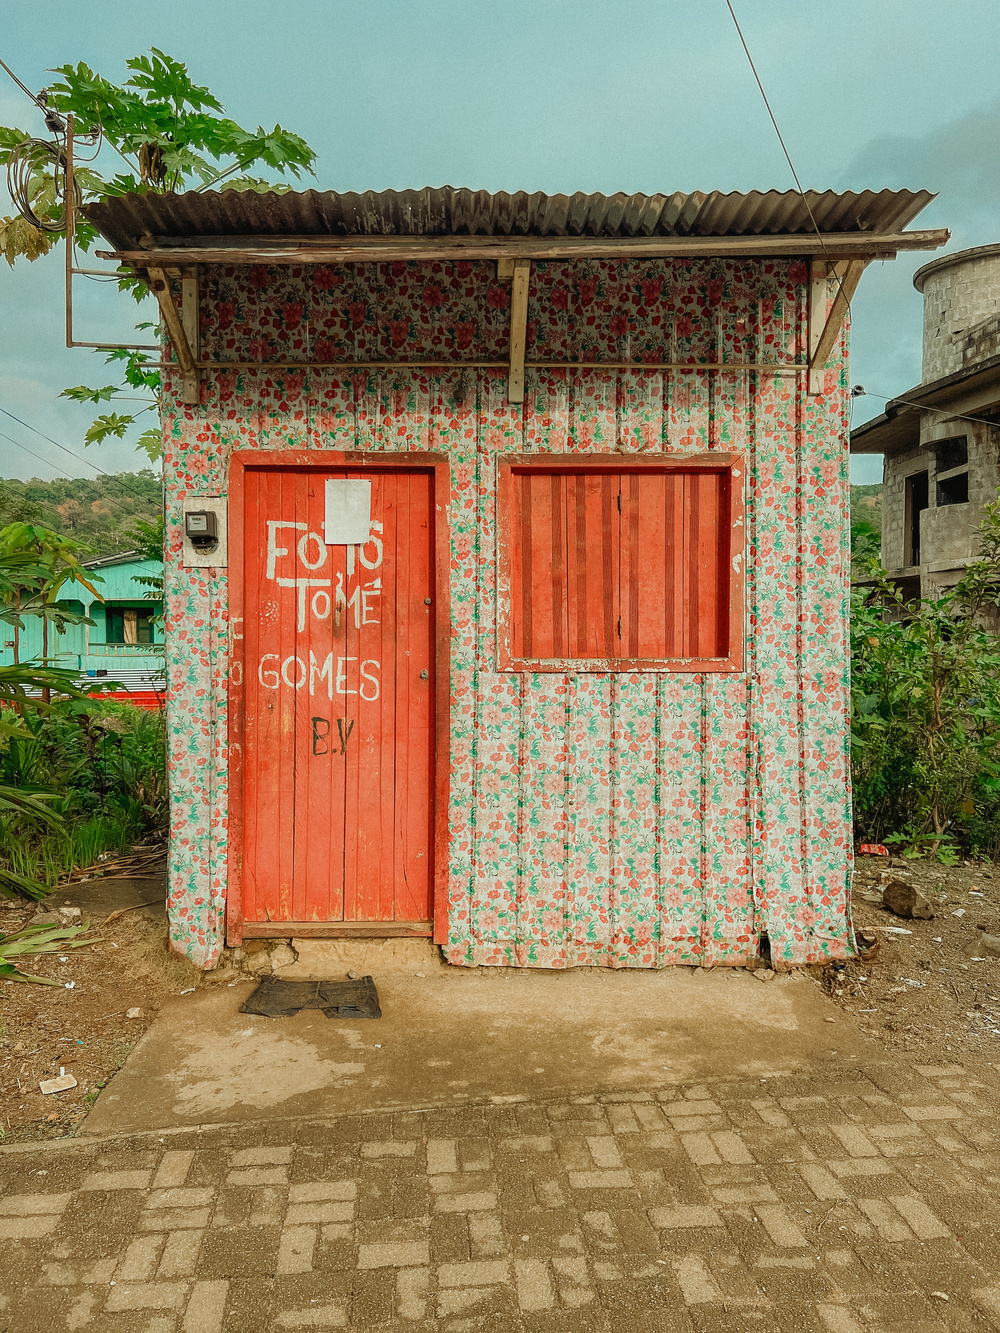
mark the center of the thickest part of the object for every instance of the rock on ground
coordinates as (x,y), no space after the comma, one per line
(902,899)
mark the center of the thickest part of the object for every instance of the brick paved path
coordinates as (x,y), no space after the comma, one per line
(865,1200)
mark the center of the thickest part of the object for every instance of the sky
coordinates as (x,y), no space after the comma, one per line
(552,95)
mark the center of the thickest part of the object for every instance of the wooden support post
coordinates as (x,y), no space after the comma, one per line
(69,212)
(518,329)
(846,287)
(160,286)
(817,318)
(192,328)
(505,270)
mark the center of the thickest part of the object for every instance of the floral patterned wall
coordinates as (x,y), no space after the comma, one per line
(631,820)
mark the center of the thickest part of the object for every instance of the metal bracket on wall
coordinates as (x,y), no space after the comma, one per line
(72,270)
(178,324)
(825,326)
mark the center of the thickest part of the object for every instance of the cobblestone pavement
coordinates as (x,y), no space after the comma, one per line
(865,1199)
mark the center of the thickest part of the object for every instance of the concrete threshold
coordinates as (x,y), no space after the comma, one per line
(462,1035)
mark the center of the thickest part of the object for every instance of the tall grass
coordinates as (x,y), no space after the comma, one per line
(106,761)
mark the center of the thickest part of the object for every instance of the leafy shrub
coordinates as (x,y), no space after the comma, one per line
(925,726)
(103,766)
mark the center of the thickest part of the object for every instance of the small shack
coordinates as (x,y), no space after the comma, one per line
(507,567)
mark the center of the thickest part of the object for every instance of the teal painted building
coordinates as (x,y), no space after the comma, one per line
(125,643)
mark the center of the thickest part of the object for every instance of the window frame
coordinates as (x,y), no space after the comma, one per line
(733,464)
(148,609)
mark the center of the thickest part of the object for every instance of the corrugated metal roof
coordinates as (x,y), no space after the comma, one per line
(458,212)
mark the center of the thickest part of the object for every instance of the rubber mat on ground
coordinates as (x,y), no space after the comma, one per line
(275,998)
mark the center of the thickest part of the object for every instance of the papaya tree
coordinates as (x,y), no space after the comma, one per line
(156,132)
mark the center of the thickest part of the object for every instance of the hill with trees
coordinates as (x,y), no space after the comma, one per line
(99,512)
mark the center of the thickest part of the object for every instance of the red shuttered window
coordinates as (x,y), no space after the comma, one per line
(621,564)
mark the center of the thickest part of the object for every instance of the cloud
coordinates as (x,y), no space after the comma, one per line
(959,161)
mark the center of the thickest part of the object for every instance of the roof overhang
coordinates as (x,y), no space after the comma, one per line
(168,237)
(313,227)
(970,391)
(166,251)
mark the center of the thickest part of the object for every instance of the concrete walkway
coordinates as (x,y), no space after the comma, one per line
(842,1199)
(457,1035)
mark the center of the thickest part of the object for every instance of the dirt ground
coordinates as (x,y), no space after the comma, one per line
(83,1030)
(921,992)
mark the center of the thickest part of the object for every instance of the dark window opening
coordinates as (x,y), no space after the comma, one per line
(126,624)
(951,453)
(953,490)
(917,500)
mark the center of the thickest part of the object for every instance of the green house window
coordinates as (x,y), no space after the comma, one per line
(129,624)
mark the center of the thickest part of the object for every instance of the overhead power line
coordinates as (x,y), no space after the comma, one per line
(23,87)
(784,148)
(859,391)
(24,448)
(54,122)
(76,457)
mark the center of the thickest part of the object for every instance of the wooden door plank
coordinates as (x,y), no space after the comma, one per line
(333,640)
(394,700)
(319,812)
(236,714)
(370,789)
(266,854)
(342,839)
(286,717)
(414,707)
(253,776)
(296,681)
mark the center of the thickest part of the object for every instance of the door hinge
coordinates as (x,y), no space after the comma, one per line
(618,497)
(619,627)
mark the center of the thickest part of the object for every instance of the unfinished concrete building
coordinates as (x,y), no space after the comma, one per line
(941,467)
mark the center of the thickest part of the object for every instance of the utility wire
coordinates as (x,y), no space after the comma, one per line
(68,475)
(77,457)
(24,88)
(26,450)
(859,391)
(784,149)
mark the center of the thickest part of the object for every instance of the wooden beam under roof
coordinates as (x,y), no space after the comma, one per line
(818,303)
(846,287)
(520,279)
(159,284)
(832,246)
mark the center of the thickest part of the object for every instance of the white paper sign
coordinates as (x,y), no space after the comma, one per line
(348,516)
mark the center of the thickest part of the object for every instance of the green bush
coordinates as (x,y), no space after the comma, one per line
(102,766)
(925,724)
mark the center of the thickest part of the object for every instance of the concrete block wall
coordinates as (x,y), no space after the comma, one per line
(947,533)
(961,293)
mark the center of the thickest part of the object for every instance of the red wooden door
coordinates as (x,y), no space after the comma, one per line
(338,703)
